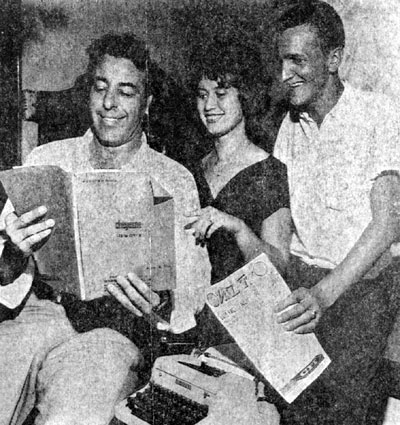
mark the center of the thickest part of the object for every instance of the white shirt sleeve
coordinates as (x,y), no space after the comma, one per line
(13,294)
(193,265)
(385,153)
(281,146)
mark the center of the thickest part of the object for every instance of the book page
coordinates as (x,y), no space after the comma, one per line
(244,303)
(116,215)
(163,255)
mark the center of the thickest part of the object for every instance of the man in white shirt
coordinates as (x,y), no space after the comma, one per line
(340,146)
(70,377)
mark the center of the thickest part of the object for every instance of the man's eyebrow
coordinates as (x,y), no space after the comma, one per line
(294,56)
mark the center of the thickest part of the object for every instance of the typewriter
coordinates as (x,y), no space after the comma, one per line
(179,392)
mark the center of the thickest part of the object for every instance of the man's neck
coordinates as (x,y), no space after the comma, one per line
(328,99)
(113,157)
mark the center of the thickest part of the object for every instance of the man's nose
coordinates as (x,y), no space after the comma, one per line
(109,100)
(287,71)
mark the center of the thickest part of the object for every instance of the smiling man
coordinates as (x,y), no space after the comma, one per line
(118,102)
(71,377)
(341,148)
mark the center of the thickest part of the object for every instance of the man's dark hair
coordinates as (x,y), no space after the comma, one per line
(321,17)
(125,46)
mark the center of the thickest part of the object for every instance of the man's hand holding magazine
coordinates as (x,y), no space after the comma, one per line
(23,235)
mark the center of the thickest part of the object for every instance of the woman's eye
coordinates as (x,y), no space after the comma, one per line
(221,93)
(201,96)
(99,87)
(298,61)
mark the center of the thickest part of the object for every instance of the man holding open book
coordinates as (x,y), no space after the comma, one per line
(45,363)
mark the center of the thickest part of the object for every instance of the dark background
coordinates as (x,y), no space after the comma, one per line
(172,29)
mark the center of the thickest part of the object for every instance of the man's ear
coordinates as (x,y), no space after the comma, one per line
(335,59)
(148,103)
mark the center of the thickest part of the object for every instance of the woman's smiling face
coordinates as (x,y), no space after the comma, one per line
(219,107)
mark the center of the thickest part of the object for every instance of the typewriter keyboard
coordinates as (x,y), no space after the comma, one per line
(159,406)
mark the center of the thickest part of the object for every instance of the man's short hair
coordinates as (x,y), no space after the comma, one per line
(124,46)
(321,17)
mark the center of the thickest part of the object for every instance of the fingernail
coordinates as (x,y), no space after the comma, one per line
(50,222)
(42,209)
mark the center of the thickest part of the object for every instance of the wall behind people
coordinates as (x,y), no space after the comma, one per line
(372,60)
(10,48)
(58,31)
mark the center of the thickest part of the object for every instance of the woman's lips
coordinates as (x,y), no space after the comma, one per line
(213,118)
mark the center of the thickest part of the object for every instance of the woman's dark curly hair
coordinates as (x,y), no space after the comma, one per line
(235,63)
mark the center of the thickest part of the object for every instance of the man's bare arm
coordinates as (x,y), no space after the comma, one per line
(384,229)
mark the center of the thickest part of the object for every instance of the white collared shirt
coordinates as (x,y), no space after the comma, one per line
(331,171)
(192,264)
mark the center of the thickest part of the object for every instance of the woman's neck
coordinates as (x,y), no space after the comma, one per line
(228,146)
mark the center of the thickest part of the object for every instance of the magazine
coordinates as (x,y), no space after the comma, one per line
(108,223)
(244,303)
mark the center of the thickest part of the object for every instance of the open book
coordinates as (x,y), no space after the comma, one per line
(244,303)
(108,223)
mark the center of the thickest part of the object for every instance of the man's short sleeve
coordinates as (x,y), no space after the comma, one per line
(386,150)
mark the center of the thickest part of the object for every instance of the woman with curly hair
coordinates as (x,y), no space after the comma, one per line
(243,189)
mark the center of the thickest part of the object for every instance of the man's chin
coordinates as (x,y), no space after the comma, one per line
(116,137)
(299,105)
(108,138)
(303,102)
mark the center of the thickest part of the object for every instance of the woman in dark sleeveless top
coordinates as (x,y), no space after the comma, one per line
(243,189)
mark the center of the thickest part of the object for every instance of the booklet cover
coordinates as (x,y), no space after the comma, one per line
(244,303)
(108,223)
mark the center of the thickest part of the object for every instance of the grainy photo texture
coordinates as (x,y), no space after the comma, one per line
(205,227)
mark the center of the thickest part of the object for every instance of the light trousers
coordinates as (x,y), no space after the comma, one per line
(71,378)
